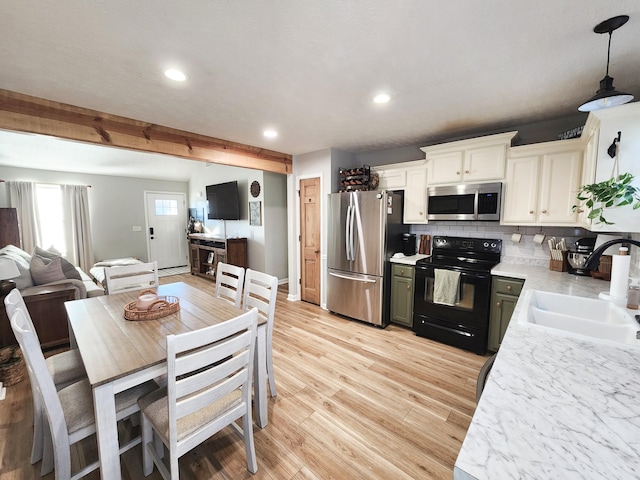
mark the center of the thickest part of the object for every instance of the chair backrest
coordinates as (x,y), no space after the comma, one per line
(216,362)
(229,280)
(40,376)
(14,301)
(124,278)
(260,291)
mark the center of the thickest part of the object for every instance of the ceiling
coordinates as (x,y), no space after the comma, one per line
(308,69)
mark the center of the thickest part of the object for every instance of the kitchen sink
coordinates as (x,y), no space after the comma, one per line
(582,316)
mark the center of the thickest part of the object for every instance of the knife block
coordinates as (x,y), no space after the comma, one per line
(559,265)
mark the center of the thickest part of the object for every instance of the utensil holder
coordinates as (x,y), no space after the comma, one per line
(559,265)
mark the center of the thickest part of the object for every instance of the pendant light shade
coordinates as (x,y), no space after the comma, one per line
(607,95)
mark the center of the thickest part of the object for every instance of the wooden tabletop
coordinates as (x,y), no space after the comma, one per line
(112,347)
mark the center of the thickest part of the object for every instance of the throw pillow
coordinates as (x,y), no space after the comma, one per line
(69,270)
(42,272)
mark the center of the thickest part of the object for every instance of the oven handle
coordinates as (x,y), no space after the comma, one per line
(347,277)
(428,270)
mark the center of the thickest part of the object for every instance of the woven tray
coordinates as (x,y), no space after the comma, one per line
(161,308)
(12,367)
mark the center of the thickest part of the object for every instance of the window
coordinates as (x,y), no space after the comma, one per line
(166,207)
(49,205)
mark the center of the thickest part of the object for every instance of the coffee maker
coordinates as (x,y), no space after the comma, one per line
(576,259)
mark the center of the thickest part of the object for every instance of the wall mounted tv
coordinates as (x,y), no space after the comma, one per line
(223,201)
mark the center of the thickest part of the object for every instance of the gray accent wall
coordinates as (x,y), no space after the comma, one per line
(116,205)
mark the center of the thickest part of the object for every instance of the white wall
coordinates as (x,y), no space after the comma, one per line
(116,205)
(308,165)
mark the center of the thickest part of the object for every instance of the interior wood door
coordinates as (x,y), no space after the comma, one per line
(310,240)
(166,228)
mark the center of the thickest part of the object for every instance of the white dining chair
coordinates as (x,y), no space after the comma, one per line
(229,279)
(69,412)
(65,368)
(125,278)
(260,291)
(208,387)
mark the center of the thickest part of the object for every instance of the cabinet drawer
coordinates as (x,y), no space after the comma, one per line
(508,286)
(401,270)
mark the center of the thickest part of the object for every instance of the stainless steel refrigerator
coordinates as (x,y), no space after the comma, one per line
(365,230)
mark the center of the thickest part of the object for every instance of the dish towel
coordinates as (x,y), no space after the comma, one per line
(446,287)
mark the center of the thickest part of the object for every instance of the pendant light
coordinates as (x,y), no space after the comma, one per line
(607,95)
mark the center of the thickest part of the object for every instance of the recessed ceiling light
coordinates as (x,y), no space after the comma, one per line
(175,74)
(270,133)
(382,98)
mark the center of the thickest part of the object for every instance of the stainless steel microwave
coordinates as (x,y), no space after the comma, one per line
(464,202)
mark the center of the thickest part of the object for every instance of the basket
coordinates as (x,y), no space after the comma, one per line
(161,308)
(12,368)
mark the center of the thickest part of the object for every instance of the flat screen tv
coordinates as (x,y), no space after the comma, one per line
(223,201)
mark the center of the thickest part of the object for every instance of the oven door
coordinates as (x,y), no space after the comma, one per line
(464,324)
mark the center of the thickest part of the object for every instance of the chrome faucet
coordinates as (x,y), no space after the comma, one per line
(594,259)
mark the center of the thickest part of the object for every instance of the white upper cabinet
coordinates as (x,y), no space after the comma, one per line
(541,183)
(415,196)
(468,161)
(411,177)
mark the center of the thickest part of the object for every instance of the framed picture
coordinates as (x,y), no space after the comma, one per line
(255,213)
(210,259)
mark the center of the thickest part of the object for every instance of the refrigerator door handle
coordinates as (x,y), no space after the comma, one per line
(351,235)
(346,233)
(356,279)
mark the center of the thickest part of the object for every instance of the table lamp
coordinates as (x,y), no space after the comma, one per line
(8,269)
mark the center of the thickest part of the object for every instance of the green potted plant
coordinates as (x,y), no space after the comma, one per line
(615,192)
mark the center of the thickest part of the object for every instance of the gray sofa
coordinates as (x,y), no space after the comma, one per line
(29,284)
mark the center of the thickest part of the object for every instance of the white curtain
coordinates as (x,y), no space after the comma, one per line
(78,226)
(22,197)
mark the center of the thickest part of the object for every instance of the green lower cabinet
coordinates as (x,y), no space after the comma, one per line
(402,294)
(504,296)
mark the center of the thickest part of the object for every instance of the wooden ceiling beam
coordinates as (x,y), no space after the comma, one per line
(24,113)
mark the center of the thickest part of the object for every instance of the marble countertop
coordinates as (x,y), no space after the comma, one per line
(410,260)
(555,406)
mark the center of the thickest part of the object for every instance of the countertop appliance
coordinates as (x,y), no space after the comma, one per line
(464,202)
(408,244)
(576,259)
(365,230)
(465,323)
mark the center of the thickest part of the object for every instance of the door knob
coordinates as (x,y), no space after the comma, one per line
(544,211)
(466,171)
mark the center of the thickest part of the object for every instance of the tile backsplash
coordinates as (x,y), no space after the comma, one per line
(524,252)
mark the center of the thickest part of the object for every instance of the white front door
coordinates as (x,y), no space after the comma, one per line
(166,228)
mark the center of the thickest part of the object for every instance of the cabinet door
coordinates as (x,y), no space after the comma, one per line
(559,183)
(402,301)
(588,174)
(415,196)
(484,163)
(502,308)
(392,178)
(520,191)
(445,167)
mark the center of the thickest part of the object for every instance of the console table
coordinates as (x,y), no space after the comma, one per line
(207,251)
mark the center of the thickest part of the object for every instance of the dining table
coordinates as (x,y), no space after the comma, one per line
(119,354)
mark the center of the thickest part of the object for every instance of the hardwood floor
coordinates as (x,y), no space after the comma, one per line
(354,401)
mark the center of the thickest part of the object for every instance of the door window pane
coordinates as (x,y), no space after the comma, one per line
(166,207)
